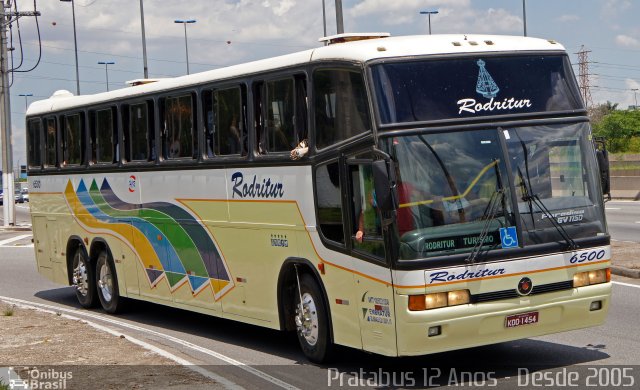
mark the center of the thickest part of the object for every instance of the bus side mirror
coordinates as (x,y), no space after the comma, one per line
(602,156)
(384,181)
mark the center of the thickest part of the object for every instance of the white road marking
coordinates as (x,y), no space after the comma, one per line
(627,284)
(613,208)
(13,239)
(223,381)
(165,336)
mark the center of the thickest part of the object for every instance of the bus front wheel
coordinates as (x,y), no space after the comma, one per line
(311,318)
(83,279)
(107,283)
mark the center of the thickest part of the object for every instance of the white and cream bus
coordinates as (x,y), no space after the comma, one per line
(399,195)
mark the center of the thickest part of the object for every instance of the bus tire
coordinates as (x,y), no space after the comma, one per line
(83,278)
(312,327)
(107,283)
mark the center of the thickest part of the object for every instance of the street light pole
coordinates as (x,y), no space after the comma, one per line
(186,46)
(106,70)
(429,13)
(26,97)
(635,95)
(524,16)
(75,43)
(144,43)
(324,20)
(339,18)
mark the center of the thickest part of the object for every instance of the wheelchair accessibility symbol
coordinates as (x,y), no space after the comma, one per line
(509,237)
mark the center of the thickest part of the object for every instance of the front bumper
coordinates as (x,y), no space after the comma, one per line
(479,324)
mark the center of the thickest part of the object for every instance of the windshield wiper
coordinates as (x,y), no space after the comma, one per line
(532,198)
(490,212)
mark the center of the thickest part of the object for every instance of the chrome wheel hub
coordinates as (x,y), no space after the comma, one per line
(105,283)
(80,279)
(307,319)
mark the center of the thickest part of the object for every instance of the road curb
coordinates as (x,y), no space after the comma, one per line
(15,229)
(624,271)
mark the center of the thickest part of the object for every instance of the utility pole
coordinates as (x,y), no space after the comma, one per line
(324,20)
(9,212)
(339,19)
(524,16)
(144,43)
(583,76)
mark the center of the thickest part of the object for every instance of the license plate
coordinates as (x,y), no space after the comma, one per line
(521,319)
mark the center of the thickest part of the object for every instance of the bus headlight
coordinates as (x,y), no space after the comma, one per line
(437,300)
(434,301)
(459,297)
(592,277)
(597,276)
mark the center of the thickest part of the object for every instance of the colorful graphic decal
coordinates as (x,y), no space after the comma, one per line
(169,241)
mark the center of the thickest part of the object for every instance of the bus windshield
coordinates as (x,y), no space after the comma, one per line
(472,87)
(455,193)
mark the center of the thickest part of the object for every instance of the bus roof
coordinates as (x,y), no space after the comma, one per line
(357,51)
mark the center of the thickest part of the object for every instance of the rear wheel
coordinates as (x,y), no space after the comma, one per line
(312,321)
(107,283)
(83,279)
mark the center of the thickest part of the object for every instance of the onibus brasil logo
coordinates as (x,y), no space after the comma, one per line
(488,88)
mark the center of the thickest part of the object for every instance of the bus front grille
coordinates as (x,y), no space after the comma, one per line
(510,294)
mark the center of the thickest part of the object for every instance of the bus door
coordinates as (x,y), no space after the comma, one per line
(372,279)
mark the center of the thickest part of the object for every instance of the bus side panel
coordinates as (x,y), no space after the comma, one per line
(376,314)
(338,282)
(41,245)
(49,212)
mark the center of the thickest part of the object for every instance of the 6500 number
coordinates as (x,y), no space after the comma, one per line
(587,256)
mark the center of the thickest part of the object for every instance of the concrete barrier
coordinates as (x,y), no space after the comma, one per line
(625,176)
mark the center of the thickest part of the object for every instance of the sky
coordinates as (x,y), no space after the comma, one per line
(229,32)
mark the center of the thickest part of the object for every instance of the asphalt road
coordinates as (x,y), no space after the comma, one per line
(254,357)
(623,219)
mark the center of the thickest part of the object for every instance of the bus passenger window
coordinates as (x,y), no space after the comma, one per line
(139,134)
(72,140)
(329,195)
(341,109)
(208,123)
(104,137)
(230,136)
(280,109)
(34,141)
(51,144)
(177,131)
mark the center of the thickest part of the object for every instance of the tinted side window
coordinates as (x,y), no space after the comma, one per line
(328,192)
(139,136)
(34,142)
(72,140)
(104,136)
(177,131)
(51,143)
(279,135)
(229,128)
(341,109)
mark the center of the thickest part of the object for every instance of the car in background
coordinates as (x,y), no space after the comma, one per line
(17,196)
(25,194)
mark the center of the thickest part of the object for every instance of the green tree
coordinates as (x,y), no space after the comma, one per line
(619,128)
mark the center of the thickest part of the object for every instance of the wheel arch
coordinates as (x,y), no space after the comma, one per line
(98,244)
(287,279)
(72,243)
